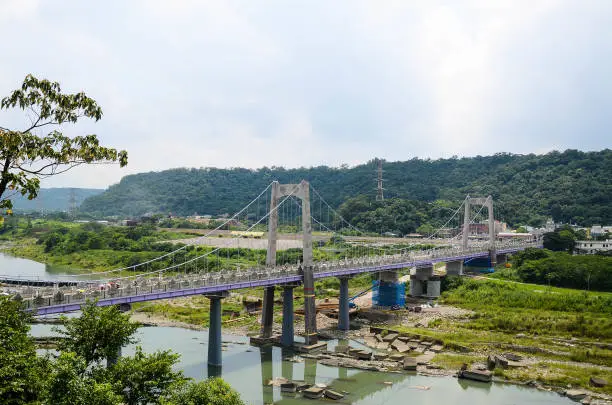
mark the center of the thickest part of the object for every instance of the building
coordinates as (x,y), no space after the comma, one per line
(589,247)
(598,230)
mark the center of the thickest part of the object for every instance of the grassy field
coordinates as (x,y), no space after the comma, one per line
(558,330)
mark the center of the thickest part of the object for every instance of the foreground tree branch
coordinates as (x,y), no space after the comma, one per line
(26,157)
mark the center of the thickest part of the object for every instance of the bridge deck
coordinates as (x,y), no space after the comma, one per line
(69,298)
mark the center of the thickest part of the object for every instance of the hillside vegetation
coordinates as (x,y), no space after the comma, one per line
(569,186)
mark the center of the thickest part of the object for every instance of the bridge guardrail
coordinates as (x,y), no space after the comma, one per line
(35,298)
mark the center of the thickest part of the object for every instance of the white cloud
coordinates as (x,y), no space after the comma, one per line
(237,83)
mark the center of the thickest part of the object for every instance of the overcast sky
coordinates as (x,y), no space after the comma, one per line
(303,83)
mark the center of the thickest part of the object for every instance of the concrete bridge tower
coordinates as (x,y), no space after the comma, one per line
(301,191)
(487,202)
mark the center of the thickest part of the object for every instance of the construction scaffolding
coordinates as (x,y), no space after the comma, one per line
(386,295)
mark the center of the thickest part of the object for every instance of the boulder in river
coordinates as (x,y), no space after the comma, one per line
(313,392)
(476,375)
(575,395)
(333,394)
(598,382)
(410,363)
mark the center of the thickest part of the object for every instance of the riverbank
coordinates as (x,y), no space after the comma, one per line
(556,351)
(431,357)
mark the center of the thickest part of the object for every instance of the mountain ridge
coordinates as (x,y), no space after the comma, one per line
(569,186)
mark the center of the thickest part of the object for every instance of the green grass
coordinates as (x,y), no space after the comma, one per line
(526,308)
(542,315)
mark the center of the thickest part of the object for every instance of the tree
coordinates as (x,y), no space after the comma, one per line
(426,230)
(98,333)
(146,378)
(213,391)
(71,383)
(560,241)
(25,158)
(21,371)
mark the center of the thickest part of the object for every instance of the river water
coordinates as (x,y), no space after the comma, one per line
(248,369)
(23,268)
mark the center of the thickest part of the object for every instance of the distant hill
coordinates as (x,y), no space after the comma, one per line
(53,199)
(569,186)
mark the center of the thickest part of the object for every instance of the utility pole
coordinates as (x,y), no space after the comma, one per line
(72,203)
(379,182)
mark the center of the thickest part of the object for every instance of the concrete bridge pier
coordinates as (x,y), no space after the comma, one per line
(267,313)
(493,257)
(389,276)
(343,305)
(112,360)
(433,287)
(214,328)
(287,336)
(418,281)
(454,268)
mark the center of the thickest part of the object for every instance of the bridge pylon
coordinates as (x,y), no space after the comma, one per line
(488,203)
(301,191)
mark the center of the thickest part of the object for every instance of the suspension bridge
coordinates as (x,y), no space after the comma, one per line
(192,272)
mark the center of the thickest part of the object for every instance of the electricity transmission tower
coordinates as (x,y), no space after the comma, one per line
(379,181)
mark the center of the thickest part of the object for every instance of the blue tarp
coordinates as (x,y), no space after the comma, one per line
(388,294)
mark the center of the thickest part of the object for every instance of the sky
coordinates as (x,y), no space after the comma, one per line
(225,83)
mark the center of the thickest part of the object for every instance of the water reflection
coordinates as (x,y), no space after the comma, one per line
(470,384)
(249,370)
(267,374)
(17,267)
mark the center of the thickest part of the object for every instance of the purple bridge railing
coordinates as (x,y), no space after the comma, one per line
(71,298)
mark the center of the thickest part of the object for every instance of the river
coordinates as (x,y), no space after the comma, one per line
(248,369)
(24,268)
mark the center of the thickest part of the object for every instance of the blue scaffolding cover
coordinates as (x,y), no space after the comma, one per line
(388,294)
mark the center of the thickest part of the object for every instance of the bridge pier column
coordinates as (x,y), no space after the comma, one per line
(343,305)
(310,315)
(416,286)
(214,329)
(433,287)
(389,276)
(493,258)
(418,280)
(112,360)
(267,313)
(454,268)
(288,321)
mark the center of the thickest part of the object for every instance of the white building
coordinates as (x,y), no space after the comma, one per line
(592,246)
(598,230)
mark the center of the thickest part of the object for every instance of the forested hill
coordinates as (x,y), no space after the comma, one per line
(569,186)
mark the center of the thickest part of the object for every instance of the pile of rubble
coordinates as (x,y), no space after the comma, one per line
(392,341)
(311,391)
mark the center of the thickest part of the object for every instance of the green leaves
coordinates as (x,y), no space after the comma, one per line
(71,383)
(146,378)
(213,391)
(75,377)
(25,157)
(98,333)
(21,370)
(50,101)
